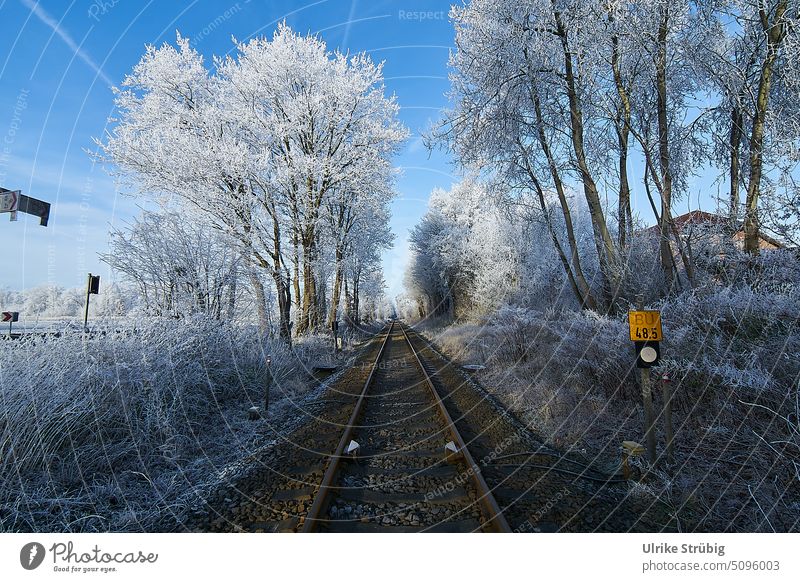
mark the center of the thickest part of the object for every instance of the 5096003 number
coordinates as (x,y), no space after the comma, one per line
(755,565)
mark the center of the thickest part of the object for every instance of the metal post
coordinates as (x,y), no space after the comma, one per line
(666,394)
(86,310)
(268,385)
(647,398)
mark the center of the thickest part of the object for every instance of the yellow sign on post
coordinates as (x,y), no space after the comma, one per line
(645,326)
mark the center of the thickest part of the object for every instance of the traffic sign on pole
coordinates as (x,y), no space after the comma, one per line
(92,288)
(645,328)
(10,315)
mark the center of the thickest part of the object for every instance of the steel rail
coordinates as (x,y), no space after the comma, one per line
(492,513)
(312,518)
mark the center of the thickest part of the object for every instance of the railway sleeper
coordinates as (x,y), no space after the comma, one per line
(369,496)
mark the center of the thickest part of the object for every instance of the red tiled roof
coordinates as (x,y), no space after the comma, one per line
(698,217)
(701,217)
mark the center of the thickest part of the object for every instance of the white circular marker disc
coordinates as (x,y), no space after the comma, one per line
(648,354)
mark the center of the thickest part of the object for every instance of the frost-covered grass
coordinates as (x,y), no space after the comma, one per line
(116,432)
(733,355)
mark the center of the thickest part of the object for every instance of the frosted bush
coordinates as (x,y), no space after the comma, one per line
(124,423)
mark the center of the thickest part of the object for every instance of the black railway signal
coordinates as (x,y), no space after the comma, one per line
(94,284)
(92,288)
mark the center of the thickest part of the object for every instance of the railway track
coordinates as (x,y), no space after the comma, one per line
(405,441)
(411,470)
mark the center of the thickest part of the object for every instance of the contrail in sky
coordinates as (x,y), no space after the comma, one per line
(349,25)
(51,22)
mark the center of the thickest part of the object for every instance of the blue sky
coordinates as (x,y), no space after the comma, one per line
(59,59)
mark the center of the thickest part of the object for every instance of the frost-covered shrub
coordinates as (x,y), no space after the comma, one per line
(584,346)
(745,337)
(98,428)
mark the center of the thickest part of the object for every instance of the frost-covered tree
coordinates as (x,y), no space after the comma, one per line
(525,76)
(465,258)
(11,300)
(52,301)
(173,139)
(555,96)
(362,275)
(116,300)
(330,131)
(259,145)
(357,228)
(179,267)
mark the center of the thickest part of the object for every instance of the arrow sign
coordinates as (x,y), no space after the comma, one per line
(9,202)
(10,315)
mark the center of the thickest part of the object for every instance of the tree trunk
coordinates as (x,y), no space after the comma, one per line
(283,289)
(624,215)
(355,315)
(337,287)
(775,32)
(606,251)
(587,299)
(232,294)
(348,301)
(282,283)
(577,282)
(735,145)
(261,303)
(309,320)
(322,298)
(582,299)
(623,123)
(663,151)
(296,268)
(687,263)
